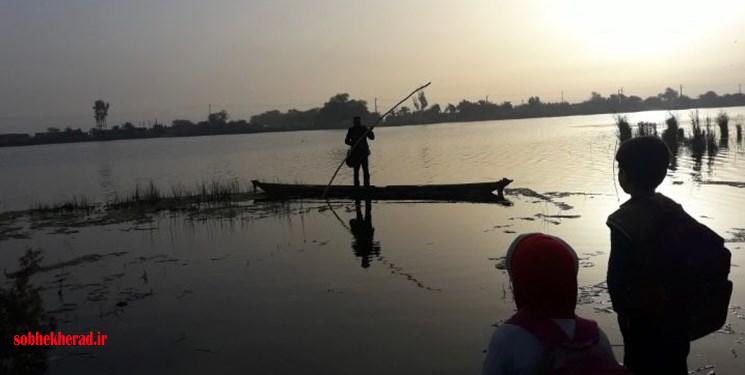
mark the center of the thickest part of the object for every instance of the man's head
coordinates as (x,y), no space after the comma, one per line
(543,271)
(357,121)
(642,164)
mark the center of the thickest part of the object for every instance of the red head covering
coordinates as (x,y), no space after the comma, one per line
(543,270)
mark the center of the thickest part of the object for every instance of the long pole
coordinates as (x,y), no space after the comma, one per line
(325,191)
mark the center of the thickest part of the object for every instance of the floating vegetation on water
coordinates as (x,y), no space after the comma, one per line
(559,216)
(544,197)
(727,330)
(594,294)
(68,263)
(738,235)
(736,184)
(702,369)
(497,227)
(564,194)
(737,312)
(584,262)
(499,263)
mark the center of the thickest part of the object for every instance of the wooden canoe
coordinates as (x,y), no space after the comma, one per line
(491,192)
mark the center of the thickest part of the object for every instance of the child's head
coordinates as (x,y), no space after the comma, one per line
(642,164)
(357,121)
(543,270)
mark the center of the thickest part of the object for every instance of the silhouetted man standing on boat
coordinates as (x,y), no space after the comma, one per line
(357,137)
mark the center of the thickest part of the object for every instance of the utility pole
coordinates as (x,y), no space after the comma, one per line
(739,88)
(209,110)
(680,93)
(376,105)
(562,96)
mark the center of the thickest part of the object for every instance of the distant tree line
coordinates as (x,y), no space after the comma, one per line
(338,111)
(482,110)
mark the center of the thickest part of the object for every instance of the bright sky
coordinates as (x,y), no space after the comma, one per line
(170,59)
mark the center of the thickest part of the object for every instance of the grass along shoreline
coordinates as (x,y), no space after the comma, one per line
(149,196)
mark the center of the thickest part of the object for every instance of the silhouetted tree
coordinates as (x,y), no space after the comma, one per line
(100,112)
(669,95)
(339,111)
(423,103)
(218,118)
(708,99)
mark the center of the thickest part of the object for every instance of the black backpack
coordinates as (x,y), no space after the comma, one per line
(689,263)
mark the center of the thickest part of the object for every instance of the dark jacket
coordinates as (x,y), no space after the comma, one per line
(630,226)
(639,282)
(356,132)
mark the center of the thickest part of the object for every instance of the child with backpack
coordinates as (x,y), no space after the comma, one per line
(545,336)
(667,273)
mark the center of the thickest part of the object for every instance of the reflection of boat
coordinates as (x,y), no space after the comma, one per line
(491,192)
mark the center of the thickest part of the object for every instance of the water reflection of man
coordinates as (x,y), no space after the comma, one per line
(363,245)
(357,157)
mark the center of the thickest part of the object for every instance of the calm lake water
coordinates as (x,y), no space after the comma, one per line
(288,288)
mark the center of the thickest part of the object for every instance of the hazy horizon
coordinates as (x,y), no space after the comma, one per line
(171,59)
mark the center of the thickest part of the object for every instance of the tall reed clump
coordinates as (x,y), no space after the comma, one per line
(205,192)
(146,194)
(217,191)
(646,128)
(723,122)
(624,129)
(697,142)
(711,141)
(673,134)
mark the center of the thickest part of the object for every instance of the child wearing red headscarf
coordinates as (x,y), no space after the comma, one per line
(545,336)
